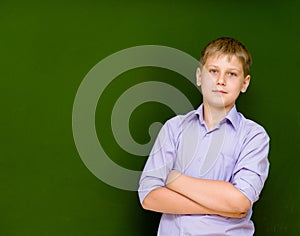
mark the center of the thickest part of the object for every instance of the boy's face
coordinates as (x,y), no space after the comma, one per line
(221,81)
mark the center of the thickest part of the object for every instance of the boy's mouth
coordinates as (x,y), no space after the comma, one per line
(219,91)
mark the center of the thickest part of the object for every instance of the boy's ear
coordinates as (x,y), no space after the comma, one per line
(245,84)
(198,76)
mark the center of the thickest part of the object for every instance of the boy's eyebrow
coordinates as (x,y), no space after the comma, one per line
(212,65)
(232,68)
(235,69)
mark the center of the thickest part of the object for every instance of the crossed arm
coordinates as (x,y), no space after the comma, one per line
(187,195)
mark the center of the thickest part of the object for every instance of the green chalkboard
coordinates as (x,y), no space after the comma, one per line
(48,48)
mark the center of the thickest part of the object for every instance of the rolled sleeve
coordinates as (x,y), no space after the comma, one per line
(160,162)
(252,167)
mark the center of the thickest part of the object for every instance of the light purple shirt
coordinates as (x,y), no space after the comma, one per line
(236,150)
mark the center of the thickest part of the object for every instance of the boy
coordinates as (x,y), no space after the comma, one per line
(208,167)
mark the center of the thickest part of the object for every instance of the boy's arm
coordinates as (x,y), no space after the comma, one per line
(246,184)
(167,201)
(213,194)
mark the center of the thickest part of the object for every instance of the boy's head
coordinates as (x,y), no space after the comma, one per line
(223,73)
(230,47)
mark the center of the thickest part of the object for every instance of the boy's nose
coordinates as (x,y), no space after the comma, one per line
(221,80)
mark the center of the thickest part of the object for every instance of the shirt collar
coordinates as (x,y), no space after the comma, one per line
(232,116)
(199,112)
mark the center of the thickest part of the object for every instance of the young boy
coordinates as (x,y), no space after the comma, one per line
(208,167)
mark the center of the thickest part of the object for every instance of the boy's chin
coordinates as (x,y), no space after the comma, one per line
(220,105)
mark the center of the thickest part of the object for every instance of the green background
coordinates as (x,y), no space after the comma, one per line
(47,47)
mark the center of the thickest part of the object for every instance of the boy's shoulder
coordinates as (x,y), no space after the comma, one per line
(181,119)
(248,125)
(177,124)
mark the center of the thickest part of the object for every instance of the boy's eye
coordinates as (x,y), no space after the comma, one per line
(232,74)
(213,71)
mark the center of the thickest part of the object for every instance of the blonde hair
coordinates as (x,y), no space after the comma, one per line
(227,46)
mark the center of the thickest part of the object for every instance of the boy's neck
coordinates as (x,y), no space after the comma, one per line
(212,115)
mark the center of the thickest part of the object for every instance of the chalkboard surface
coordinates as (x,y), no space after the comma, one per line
(48,48)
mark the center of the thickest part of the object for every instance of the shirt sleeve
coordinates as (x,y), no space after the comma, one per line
(160,162)
(252,168)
